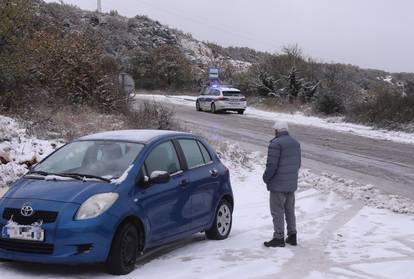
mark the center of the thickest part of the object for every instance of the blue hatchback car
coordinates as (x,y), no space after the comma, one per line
(108,197)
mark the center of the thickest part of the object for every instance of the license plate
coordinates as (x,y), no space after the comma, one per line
(21,232)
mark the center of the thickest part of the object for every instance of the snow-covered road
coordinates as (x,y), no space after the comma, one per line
(351,151)
(331,123)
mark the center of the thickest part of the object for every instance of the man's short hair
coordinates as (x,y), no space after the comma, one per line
(281,125)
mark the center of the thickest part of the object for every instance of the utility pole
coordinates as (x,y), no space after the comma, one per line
(99,6)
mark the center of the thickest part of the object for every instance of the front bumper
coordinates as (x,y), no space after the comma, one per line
(66,241)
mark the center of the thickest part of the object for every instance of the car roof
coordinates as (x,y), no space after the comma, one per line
(139,136)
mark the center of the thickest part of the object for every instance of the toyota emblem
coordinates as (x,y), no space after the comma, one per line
(27,211)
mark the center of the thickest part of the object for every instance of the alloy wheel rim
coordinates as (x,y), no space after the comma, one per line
(223,219)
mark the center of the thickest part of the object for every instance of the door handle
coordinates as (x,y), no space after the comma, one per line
(183,182)
(214,172)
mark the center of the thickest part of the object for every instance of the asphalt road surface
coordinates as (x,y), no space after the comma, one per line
(387,165)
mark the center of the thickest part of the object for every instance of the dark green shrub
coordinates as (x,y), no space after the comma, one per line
(328,103)
(385,109)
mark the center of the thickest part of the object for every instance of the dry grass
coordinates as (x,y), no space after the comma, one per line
(277,105)
(69,123)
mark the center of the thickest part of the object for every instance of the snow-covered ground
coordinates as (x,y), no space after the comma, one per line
(18,151)
(332,123)
(341,232)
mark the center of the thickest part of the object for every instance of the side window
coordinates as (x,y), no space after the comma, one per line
(163,158)
(192,153)
(206,154)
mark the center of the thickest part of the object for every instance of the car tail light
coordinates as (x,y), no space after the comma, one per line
(221,99)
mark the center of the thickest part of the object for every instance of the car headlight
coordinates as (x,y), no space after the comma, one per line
(96,205)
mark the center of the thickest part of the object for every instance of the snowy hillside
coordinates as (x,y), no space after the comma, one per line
(200,54)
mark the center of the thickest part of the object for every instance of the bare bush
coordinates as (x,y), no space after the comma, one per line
(151,115)
(385,108)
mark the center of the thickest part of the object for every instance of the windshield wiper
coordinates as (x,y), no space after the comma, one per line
(77,176)
(40,173)
(81,176)
(44,173)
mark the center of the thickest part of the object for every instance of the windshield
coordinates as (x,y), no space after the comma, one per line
(107,159)
(232,94)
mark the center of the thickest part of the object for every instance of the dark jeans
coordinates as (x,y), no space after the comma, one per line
(283,205)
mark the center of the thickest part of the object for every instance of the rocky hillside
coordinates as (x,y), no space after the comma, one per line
(124,36)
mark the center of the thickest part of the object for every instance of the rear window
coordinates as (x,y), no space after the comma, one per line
(206,154)
(192,153)
(232,94)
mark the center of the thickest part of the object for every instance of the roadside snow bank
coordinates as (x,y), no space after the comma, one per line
(240,161)
(330,123)
(18,151)
(352,190)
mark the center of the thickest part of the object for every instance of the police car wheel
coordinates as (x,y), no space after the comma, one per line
(213,108)
(198,108)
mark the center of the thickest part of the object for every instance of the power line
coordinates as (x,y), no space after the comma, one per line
(208,23)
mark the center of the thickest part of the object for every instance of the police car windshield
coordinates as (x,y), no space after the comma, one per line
(231,93)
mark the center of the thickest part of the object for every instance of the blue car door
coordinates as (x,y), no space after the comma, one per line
(165,205)
(203,182)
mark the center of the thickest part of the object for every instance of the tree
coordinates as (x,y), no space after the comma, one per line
(294,83)
(171,66)
(15,28)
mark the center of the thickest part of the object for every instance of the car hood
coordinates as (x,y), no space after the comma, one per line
(73,191)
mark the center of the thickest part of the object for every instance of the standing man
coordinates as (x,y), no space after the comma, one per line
(281,178)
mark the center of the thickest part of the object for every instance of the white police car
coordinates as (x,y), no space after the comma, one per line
(217,98)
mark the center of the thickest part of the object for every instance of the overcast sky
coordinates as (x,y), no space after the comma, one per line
(369,33)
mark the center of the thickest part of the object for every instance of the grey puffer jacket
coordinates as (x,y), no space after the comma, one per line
(283,164)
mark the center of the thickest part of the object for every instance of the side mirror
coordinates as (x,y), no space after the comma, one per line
(159,177)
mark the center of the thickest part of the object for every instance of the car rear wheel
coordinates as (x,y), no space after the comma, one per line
(240,111)
(198,108)
(124,250)
(213,108)
(222,222)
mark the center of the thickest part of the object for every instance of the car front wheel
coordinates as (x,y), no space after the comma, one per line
(222,222)
(198,108)
(124,250)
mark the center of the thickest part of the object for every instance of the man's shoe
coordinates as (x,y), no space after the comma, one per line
(291,239)
(275,242)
